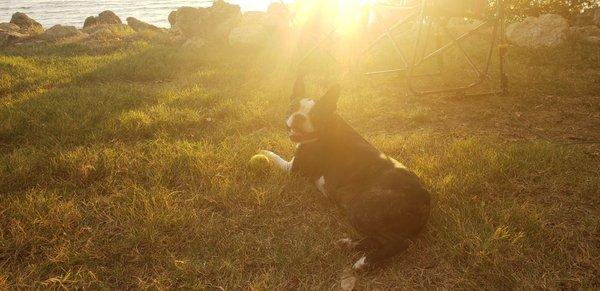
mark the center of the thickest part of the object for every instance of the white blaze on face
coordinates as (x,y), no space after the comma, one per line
(304,108)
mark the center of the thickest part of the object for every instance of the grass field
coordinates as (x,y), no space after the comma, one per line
(123,166)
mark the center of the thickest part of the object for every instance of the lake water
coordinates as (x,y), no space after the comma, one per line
(74,12)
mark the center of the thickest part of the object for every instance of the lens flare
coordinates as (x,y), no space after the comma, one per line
(343,16)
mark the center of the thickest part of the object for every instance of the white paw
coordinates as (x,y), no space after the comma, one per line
(266,153)
(360,264)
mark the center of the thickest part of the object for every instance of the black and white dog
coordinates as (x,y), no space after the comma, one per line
(380,197)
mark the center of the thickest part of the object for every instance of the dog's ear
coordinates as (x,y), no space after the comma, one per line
(299,90)
(330,99)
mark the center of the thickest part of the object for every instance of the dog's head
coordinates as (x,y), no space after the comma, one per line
(307,117)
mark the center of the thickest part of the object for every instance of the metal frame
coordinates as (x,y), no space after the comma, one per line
(426,21)
(318,40)
(430,21)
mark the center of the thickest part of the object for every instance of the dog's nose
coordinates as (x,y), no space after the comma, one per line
(297,121)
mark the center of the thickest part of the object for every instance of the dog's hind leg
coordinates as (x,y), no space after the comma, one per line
(367,244)
(278,161)
(385,251)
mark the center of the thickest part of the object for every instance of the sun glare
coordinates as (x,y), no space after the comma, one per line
(351,14)
(343,16)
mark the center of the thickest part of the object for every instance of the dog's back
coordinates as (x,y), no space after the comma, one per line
(378,194)
(390,204)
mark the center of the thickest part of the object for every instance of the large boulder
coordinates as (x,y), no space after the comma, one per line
(90,21)
(548,30)
(104,18)
(253,35)
(26,24)
(138,25)
(223,17)
(109,17)
(59,32)
(188,20)
(212,23)
(106,26)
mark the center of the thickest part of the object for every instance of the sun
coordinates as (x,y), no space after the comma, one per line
(345,16)
(351,14)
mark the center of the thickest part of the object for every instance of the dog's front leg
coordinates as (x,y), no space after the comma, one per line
(279,161)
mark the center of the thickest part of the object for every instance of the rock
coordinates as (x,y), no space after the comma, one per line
(194,43)
(173,18)
(138,25)
(104,18)
(212,23)
(248,36)
(548,30)
(26,24)
(9,27)
(108,17)
(222,18)
(222,11)
(90,21)
(596,16)
(582,33)
(188,20)
(58,32)
(11,37)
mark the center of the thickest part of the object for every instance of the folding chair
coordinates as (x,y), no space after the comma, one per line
(432,18)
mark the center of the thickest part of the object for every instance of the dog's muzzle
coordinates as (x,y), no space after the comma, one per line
(301,136)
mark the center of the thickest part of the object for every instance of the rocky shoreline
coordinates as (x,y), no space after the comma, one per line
(222,22)
(225,23)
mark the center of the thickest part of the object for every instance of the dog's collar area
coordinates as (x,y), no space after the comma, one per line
(302,137)
(308,141)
